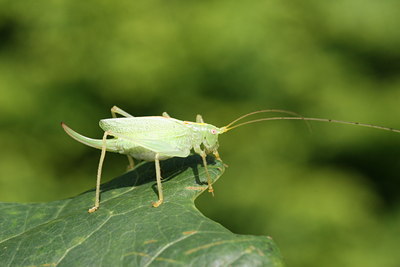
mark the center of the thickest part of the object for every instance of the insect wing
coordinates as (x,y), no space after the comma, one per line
(159,146)
(159,134)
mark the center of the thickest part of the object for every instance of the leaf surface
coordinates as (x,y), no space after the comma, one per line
(127,230)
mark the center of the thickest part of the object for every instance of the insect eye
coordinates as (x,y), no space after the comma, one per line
(213,131)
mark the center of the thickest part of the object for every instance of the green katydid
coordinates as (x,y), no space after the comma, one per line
(155,138)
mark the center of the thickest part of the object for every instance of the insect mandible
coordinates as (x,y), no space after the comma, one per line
(155,138)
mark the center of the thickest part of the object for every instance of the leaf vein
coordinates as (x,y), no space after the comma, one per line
(167,246)
(78,244)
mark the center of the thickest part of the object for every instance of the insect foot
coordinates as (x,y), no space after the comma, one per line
(93,209)
(211,190)
(157,203)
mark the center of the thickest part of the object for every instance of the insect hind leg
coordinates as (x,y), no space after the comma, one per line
(99,169)
(116,110)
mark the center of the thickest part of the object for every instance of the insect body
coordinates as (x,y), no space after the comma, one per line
(156,138)
(152,138)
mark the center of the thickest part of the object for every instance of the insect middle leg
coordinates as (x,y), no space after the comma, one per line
(166,115)
(99,169)
(159,185)
(131,164)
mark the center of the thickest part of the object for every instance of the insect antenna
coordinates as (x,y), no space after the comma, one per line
(265,111)
(315,119)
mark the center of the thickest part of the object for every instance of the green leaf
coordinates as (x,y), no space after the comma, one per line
(127,230)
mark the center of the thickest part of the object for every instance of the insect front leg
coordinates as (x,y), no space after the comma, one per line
(203,156)
(216,154)
(116,110)
(102,156)
(199,118)
(159,186)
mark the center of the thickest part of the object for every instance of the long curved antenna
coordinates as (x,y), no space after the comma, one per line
(316,119)
(263,111)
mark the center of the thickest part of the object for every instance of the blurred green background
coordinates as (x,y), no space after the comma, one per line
(328,198)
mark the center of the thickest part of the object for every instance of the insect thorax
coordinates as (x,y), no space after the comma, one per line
(204,135)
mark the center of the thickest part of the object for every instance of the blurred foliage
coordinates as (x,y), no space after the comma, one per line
(329,198)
